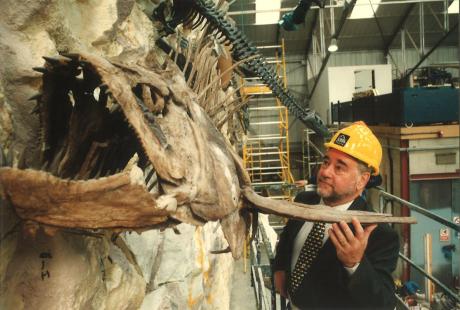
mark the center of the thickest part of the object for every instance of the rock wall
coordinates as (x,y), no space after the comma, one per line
(49,269)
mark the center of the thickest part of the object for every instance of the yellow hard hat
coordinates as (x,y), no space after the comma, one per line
(358,141)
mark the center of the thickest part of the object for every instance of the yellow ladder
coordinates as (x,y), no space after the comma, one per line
(266,149)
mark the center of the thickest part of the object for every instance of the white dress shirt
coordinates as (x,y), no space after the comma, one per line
(303,234)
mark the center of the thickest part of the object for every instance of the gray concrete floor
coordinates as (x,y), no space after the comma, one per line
(242,297)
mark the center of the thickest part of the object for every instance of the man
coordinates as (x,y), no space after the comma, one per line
(341,266)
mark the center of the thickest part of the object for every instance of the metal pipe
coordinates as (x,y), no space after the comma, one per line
(332,21)
(412,41)
(428,267)
(445,288)
(403,49)
(415,149)
(322,42)
(402,302)
(422,29)
(446,14)
(421,210)
(405,194)
(268,46)
(435,17)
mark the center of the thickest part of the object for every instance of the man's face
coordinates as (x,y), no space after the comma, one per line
(339,178)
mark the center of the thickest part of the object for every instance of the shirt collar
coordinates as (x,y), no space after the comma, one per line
(342,207)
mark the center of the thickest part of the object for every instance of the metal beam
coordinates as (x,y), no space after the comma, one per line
(310,42)
(398,28)
(431,50)
(421,18)
(346,11)
(315,7)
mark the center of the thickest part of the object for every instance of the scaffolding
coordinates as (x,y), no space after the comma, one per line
(311,155)
(266,149)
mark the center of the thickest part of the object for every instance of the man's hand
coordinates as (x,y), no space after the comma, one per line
(350,247)
(280,283)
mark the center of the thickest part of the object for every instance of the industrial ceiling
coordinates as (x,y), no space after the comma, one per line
(381,32)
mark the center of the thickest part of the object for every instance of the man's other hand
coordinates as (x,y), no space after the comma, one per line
(350,247)
(280,283)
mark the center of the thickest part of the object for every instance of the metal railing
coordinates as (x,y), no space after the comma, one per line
(384,197)
(262,256)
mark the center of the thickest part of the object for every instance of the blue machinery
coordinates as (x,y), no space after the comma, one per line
(407,106)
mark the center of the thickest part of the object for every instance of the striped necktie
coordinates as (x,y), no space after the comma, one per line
(308,253)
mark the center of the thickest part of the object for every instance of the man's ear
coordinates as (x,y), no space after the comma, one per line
(362,180)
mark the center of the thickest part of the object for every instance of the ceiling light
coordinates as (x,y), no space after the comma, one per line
(333,47)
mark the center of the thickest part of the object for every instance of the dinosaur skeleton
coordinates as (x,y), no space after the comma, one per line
(127,147)
(197,11)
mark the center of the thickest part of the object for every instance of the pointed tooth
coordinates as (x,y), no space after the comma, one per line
(52,60)
(151,178)
(147,172)
(36,96)
(40,69)
(151,186)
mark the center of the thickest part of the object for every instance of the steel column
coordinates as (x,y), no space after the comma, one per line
(405,194)
(403,50)
(332,20)
(446,15)
(321,33)
(343,18)
(422,29)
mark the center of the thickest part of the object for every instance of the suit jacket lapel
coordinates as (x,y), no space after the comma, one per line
(359,204)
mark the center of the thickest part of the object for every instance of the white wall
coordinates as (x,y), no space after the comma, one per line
(341,82)
(338,84)
(423,162)
(320,100)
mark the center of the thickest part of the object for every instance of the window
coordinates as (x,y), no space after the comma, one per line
(432,194)
(267,17)
(453,8)
(364,9)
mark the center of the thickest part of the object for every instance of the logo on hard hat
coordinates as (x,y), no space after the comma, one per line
(341,139)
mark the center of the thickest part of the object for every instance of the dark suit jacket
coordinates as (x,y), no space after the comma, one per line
(327,285)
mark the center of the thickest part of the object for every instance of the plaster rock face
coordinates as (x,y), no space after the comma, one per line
(67,269)
(69,272)
(183,272)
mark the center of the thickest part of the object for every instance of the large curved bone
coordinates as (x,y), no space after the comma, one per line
(318,213)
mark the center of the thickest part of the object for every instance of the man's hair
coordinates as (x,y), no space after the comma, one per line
(363,167)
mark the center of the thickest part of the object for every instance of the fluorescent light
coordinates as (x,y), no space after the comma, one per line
(363,9)
(453,8)
(267,17)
